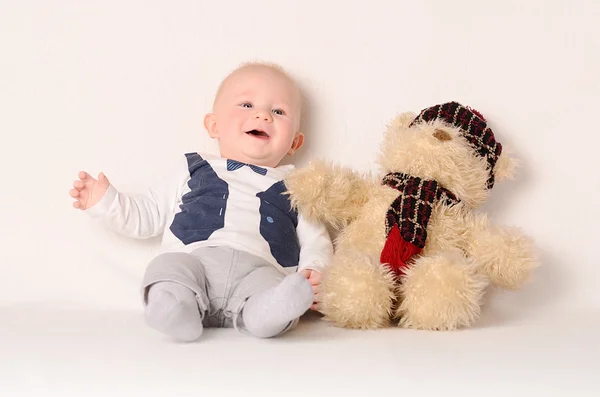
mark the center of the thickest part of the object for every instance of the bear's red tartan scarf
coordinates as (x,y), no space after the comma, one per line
(407,217)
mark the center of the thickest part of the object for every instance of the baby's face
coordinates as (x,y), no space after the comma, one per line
(256,117)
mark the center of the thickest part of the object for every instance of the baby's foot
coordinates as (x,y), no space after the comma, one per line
(268,313)
(173,310)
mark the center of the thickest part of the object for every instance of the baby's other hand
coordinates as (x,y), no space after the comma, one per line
(314,278)
(87,190)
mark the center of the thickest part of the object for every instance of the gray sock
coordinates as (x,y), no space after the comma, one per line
(268,313)
(173,310)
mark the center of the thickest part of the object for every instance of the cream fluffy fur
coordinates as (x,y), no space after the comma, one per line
(444,285)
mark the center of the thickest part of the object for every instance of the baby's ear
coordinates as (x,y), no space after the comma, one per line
(505,166)
(210,123)
(296,143)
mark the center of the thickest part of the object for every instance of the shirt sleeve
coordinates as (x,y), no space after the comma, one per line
(316,247)
(142,215)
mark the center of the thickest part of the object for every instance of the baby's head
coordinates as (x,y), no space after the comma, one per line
(256,115)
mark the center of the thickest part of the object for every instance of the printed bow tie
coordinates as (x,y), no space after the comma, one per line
(233,165)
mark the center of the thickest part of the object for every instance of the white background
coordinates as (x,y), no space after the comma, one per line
(122,87)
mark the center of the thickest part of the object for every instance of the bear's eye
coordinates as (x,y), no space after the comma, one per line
(442,135)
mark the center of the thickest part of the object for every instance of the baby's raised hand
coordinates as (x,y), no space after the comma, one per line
(87,190)
(314,278)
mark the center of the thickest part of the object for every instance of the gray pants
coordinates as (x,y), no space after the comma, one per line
(222,279)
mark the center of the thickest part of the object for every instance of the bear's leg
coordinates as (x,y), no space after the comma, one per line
(356,292)
(440,292)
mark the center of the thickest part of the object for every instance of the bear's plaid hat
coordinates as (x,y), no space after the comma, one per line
(473,126)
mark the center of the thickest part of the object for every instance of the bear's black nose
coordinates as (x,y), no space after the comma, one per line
(442,135)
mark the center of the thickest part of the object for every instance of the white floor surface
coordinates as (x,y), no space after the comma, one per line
(50,350)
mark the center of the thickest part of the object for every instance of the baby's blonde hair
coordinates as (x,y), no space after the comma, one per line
(262,65)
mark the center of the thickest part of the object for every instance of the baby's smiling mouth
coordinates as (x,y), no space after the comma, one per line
(258,133)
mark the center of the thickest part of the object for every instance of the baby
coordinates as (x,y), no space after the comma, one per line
(234,253)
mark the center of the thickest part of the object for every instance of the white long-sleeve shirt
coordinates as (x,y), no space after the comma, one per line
(212,201)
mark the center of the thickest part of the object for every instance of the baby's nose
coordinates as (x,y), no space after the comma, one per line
(263,115)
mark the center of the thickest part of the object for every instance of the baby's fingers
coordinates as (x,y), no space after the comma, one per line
(103,180)
(317,306)
(315,277)
(78,185)
(74,193)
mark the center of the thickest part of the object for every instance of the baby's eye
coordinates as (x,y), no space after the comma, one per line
(246,105)
(279,112)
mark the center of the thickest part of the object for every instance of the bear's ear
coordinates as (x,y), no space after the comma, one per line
(403,120)
(505,166)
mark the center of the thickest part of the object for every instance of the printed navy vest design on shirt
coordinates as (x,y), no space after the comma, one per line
(278,225)
(203,207)
(203,212)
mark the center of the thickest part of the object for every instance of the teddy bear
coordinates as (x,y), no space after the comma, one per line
(413,250)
